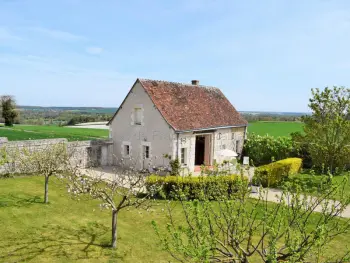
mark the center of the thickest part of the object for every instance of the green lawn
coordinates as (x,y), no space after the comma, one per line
(312,183)
(24,132)
(67,230)
(275,128)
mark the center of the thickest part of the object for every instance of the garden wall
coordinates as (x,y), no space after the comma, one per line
(84,153)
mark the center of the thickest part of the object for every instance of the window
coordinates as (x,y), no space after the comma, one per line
(233,136)
(237,146)
(126,150)
(184,156)
(137,116)
(145,152)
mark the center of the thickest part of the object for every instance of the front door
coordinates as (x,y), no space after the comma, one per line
(200,150)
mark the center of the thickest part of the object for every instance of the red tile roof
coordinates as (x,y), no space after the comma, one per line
(192,107)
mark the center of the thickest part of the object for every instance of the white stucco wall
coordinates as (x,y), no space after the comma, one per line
(221,139)
(154,131)
(226,139)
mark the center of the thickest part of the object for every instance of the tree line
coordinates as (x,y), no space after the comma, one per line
(324,143)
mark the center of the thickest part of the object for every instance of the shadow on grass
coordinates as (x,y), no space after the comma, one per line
(12,200)
(56,241)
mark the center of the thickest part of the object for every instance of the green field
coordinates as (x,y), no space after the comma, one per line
(24,132)
(275,128)
(67,230)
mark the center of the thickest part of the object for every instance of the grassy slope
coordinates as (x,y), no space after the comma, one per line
(24,132)
(275,128)
(67,230)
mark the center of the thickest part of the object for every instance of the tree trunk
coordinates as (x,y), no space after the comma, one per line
(46,198)
(114,228)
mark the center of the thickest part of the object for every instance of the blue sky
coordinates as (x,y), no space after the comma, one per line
(264,55)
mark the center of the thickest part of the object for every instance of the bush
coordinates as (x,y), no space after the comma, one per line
(274,173)
(263,149)
(309,183)
(216,187)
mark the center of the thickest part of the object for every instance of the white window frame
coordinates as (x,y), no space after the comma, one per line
(183,156)
(123,150)
(137,112)
(137,116)
(146,151)
(237,145)
(143,144)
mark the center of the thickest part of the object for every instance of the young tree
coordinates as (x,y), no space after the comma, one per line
(327,130)
(47,160)
(125,189)
(8,109)
(242,230)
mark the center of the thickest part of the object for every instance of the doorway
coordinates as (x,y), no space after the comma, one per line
(200,150)
(203,150)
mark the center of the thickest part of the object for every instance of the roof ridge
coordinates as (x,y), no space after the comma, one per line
(180,83)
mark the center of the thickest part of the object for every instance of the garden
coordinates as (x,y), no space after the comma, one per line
(51,210)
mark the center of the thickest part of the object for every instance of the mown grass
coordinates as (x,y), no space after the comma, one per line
(275,128)
(314,183)
(26,132)
(67,230)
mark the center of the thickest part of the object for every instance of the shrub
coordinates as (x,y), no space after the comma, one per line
(175,167)
(309,183)
(216,187)
(262,149)
(274,173)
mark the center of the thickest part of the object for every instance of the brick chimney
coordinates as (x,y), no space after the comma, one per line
(195,82)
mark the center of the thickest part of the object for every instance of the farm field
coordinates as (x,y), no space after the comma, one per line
(275,128)
(28,132)
(67,230)
(24,132)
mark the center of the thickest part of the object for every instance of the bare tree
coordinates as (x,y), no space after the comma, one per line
(46,160)
(126,188)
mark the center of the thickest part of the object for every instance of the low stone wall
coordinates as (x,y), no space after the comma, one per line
(83,153)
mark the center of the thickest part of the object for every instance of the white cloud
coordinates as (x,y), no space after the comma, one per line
(57,34)
(94,50)
(5,34)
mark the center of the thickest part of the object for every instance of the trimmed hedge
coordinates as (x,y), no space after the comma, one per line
(273,174)
(202,187)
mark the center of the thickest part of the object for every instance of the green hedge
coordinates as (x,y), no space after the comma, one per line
(273,174)
(202,187)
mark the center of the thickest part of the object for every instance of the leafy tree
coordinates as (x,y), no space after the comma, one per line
(8,109)
(327,129)
(263,149)
(241,229)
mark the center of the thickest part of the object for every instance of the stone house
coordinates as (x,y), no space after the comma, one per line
(159,120)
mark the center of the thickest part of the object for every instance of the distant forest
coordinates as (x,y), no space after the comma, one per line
(62,116)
